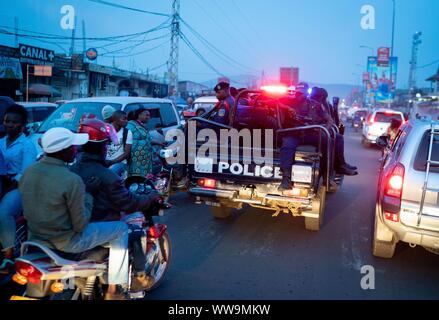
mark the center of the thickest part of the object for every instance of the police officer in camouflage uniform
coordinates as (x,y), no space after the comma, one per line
(221,112)
(303,111)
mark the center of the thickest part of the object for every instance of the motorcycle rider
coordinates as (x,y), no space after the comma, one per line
(111,197)
(57,208)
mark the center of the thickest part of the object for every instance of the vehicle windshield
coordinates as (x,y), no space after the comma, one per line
(360,114)
(38,114)
(387,117)
(204,105)
(69,114)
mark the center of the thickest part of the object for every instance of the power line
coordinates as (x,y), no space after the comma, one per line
(137,45)
(215,50)
(115,5)
(141,52)
(158,67)
(198,54)
(429,64)
(40,35)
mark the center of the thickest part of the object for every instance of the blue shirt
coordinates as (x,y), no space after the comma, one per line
(18,156)
(2,165)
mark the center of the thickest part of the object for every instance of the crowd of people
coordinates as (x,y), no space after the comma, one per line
(76,208)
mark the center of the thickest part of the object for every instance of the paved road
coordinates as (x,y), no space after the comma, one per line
(254,256)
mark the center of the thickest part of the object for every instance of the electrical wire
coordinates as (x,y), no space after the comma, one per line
(115,5)
(215,50)
(198,54)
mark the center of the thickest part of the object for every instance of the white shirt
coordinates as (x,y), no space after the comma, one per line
(116,150)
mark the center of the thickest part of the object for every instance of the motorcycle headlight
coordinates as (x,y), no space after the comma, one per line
(134,187)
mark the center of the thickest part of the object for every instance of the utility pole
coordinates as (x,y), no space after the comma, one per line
(16,31)
(84,41)
(173,59)
(414,61)
(393,81)
(72,46)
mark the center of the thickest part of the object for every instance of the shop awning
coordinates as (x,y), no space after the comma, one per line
(434,78)
(43,90)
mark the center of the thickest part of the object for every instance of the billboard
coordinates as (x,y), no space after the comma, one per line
(380,87)
(383,56)
(289,76)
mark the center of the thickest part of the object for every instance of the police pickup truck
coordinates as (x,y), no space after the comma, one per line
(236,164)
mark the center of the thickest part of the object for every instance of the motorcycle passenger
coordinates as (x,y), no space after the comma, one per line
(111,197)
(57,208)
(19,153)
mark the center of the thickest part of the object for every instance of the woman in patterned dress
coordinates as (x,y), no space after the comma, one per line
(140,163)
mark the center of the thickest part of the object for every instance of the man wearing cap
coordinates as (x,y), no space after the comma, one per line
(107,113)
(221,112)
(57,208)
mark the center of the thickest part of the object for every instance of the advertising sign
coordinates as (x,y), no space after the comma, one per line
(381,86)
(43,71)
(35,55)
(91,54)
(10,68)
(383,56)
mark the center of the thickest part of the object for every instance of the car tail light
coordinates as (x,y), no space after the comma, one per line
(32,274)
(370,119)
(207,183)
(393,192)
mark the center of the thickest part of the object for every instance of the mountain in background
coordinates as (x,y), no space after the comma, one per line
(334,90)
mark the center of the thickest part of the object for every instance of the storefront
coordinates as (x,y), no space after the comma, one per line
(10,77)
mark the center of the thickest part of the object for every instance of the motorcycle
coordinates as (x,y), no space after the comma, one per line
(357,123)
(57,275)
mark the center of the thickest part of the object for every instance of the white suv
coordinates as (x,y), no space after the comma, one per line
(377,124)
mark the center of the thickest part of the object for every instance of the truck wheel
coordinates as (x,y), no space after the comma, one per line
(318,206)
(221,212)
(382,249)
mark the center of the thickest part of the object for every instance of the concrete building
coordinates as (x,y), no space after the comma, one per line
(71,78)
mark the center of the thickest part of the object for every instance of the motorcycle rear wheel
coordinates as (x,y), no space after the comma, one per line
(160,270)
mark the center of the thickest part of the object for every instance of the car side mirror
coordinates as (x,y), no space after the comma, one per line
(382,141)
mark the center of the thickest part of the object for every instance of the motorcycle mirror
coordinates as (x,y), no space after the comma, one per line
(335,101)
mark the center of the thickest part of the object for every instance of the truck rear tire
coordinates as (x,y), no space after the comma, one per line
(382,249)
(221,212)
(318,206)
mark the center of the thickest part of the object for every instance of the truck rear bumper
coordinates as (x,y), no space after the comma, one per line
(213,193)
(233,196)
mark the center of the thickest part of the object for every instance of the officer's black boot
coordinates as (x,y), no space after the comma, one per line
(286,183)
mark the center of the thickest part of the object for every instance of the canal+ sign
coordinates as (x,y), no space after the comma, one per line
(35,55)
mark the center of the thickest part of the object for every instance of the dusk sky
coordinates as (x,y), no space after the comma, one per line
(320,37)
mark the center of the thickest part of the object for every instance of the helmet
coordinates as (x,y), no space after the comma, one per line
(98,131)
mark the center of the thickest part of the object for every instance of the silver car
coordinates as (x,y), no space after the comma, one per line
(407,207)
